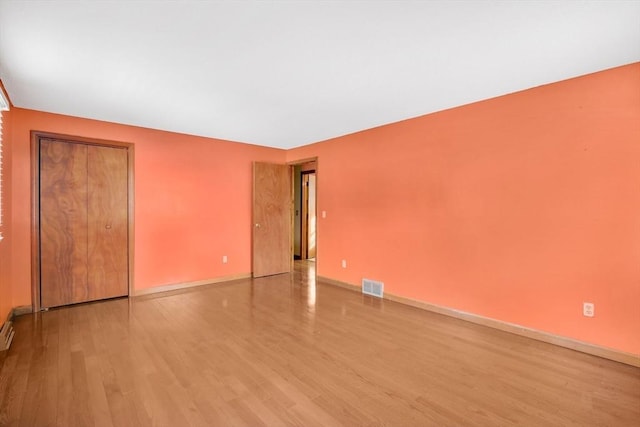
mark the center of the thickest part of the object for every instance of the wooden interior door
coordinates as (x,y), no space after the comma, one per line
(83,222)
(107,209)
(271,219)
(63,223)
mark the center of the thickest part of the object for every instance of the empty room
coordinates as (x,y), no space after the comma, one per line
(319,213)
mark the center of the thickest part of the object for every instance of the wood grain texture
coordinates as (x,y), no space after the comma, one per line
(83,222)
(63,223)
(570,343)
(36,138)
(107,206)
(186,285)
(287,350)
(272,250)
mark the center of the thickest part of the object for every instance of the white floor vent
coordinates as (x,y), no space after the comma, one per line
(371,287)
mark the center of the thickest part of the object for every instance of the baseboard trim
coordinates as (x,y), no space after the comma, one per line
(581,346)
(340,284)
(186,285)
(21,310)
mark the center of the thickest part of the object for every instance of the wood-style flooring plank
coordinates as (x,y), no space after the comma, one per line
(287,351)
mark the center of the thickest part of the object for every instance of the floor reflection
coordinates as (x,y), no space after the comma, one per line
(305,273)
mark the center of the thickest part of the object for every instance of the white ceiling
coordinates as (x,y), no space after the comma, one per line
(289,73)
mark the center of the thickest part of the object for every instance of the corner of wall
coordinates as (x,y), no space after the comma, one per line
(6,295)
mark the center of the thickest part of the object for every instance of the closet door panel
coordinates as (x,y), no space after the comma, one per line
(63,223)
(108,258)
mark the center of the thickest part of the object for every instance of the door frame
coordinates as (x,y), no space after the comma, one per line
(293,208)
(36,136)
(304,215)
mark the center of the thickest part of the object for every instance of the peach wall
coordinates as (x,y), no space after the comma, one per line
(6,296)
(517,208)
(192,200)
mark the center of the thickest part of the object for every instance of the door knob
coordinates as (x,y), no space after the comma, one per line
(108,227)
(257,225)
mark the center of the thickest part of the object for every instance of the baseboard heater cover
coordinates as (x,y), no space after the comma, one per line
(6,335)
(373,288)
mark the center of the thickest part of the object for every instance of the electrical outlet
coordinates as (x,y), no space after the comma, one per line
(224,259)
(588,309)
(344,263)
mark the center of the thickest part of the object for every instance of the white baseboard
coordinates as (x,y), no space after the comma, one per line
(584,347)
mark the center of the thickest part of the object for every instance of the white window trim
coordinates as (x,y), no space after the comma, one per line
(4,102)
(4,106)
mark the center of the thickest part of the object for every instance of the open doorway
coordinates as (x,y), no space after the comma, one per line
(308,217)
(304,224)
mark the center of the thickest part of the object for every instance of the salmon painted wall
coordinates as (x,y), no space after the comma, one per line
(518,208)
(192,200)
(6,296)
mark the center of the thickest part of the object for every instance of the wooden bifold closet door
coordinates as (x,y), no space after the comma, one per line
(83,222)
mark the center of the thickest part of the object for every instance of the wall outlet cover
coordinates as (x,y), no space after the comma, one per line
(588,309)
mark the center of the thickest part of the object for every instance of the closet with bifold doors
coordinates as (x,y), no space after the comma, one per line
(83,221)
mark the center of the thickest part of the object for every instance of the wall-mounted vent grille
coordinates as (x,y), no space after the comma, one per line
(371,287)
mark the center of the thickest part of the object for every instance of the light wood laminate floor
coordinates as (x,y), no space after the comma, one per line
(284,351)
